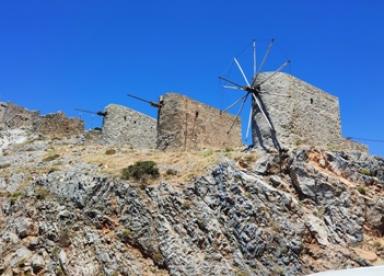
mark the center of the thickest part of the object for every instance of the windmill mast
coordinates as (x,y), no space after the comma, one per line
(254,90)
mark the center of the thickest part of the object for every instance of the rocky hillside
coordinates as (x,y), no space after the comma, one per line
(245,214)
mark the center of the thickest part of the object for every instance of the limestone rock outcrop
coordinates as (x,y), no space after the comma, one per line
(292,214)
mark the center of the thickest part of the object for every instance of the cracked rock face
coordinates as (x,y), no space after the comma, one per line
(287,215)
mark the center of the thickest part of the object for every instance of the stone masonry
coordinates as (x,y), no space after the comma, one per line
(190,125)
(124,126)
(55,125)
(301,115)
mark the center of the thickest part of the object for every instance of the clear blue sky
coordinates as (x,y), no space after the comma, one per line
(59,55)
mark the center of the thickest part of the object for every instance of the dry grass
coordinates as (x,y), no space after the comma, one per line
(187,164)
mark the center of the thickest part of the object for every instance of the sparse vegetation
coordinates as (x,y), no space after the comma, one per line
(251,157)
(110,151)
(41,193)
(15,196)
(141,170)
(64,238)
(51,157)
(207,153)
(4,166)
(365,171)
(157,257)
(362,190)
(171,172)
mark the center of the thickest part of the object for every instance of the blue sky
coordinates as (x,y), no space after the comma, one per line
(59,55)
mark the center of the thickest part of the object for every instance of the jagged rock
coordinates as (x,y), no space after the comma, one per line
(20,256)
(317,228)
(265,220)
(375,216)
(24,227)
(38,263)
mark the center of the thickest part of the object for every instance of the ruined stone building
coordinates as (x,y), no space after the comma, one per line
(182,124)
(190,125)
(124,126)
(54,125)
(301,113)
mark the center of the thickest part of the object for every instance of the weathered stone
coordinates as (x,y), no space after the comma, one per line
(191,125)
(124,126)
(24,227)
(300,113)
(20,256)
(38,263)
(58,125)
(54,125)
(317,228)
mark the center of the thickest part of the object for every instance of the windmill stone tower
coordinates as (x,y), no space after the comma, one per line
(287,112)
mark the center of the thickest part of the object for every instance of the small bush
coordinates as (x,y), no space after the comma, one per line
(365,171)
(110,151)
(15,196)
(207,153)
(41,193)
(362,190)
(126,234)
(250,158)
(228,149)
(171,172)
(4,166)
(51,157)
(141,170)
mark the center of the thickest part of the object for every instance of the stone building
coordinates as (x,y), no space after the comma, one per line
(124,126)
(301,114)
(190,125)
(54,125)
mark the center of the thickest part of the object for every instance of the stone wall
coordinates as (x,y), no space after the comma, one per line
(124,126)
(190,125)
(55,125)
(301,114)
(59,125)
(13,116)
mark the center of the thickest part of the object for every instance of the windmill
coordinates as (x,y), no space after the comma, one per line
(253,89)
(98,113)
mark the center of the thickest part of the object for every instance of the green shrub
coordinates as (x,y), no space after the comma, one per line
(51,157)
(365,171)
(15,196)
(171,172)
(41,193)
(4,166)
(361,190)
(141,170)
(110,151)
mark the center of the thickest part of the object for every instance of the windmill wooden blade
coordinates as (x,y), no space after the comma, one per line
(241,71)
(263,61)
(98,113)
(254,59)
(249,121)
(235,103)
(238,113)
(258,103)
(231,82)
(278,70)
(232,87)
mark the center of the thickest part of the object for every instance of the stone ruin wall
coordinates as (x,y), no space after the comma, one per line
(53,125)
(13,116)
(190,125)
(303,114)
(124,126)
(57,124)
